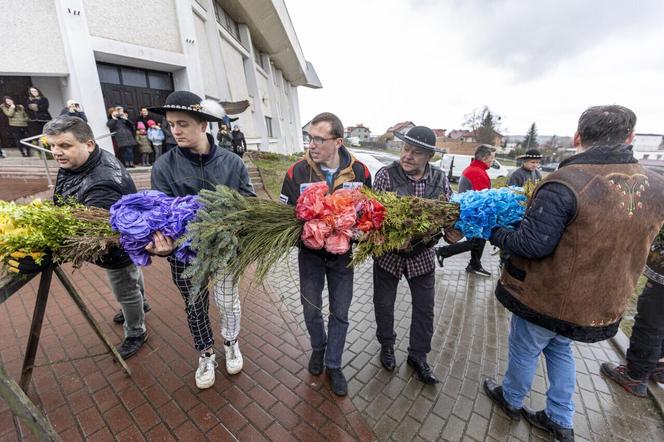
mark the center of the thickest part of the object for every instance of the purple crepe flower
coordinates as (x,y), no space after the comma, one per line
(138,216)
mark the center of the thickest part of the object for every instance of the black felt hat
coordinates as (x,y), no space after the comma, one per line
(420,136)
(185,101)
(531,154)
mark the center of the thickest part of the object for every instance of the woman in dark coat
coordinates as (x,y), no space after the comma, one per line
(124,134)
(37,108)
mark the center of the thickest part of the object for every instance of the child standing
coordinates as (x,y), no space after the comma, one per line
(143,143)
(156,136)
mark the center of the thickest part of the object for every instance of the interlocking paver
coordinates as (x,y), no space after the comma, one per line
(470,342)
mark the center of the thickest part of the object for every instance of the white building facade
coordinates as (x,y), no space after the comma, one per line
(133,54)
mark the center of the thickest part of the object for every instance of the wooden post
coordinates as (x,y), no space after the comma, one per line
(35,327)
(69,287)
(23,408)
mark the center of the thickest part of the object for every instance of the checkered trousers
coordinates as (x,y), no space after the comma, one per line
(225,296)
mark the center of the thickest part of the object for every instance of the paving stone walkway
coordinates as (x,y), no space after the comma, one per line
(469,344)
(88,397)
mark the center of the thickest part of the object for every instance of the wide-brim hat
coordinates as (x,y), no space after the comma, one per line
(420,136)
(185,101)
(531,154)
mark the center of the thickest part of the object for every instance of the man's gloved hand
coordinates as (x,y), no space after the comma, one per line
(26,262)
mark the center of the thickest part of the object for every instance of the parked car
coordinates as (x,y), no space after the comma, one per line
(549,167)
(453,165)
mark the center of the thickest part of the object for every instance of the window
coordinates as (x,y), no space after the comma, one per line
(268,125)
(258,57)
(160,80)
(226,21)
(134,77)
(108,74)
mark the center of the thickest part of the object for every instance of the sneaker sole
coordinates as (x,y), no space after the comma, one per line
(478,274)
(232,371)
(609,375)
(204,385)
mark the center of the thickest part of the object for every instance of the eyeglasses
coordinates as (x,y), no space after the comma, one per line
(319,140)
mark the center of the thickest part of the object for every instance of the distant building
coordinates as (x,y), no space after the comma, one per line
(402,127)
(360,131)
(439,132)
(648,146)
(468,136)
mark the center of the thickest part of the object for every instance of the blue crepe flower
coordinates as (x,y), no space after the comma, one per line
(138,216)
(482,211)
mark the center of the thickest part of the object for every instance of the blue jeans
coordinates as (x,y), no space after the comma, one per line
(526,342)
(314,267)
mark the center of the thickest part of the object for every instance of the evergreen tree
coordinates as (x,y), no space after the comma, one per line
(530,142)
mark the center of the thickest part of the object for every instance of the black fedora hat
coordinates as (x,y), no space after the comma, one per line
(419,136)
(185,101)
(531,154)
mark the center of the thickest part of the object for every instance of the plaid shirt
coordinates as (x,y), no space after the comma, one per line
(417,265)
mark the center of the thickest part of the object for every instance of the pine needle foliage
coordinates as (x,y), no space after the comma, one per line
(232,232)
(408,221)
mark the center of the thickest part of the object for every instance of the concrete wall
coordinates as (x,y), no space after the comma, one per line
(31,39)
(205,55)
(142,23)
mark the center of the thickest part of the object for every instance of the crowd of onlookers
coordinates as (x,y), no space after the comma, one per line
(137,142)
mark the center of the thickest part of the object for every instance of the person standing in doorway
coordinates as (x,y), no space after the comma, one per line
(18,123)
(124,134)
(37,112)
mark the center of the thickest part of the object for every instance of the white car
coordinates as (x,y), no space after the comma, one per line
(456,163)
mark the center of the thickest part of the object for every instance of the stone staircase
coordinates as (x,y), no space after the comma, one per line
(15,166)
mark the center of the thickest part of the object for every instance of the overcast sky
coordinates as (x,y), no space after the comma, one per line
(432,61)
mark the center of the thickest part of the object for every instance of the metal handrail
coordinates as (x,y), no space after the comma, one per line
(43,152)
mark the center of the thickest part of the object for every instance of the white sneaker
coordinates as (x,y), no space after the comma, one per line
(234,360)
(205,372)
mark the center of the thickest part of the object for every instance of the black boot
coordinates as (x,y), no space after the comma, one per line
(316,362)
(130,346)
(424,372)
(540,420)
(337,381)
(387,358)
(495,393)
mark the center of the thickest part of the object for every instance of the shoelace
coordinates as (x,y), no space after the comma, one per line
(232,351)
(208,363)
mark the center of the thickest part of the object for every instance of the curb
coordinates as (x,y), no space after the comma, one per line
(621,342)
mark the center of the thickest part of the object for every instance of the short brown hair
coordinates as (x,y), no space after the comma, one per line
(610,124)
(336,128)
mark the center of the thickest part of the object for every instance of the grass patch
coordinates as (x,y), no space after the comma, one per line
(273,167)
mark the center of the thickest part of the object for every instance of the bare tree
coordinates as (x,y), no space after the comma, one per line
(484,124)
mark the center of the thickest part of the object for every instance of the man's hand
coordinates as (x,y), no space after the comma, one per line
(161,245)
(452,235)
(25,263)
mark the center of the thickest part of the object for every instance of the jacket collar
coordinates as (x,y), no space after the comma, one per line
(477,163)
(197,157)
(345,160)
(90,163)
(612,154)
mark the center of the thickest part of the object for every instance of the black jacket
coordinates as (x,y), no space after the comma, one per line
(80,114)
(41,114)
(124,131)
(179,172)
(99,182)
